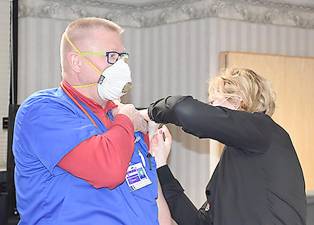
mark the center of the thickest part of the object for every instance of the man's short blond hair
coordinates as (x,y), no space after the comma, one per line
(255,91)
(81,29)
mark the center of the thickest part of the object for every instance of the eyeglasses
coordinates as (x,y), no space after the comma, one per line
(112,56)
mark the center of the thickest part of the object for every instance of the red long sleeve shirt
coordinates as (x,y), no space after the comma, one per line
(101,160)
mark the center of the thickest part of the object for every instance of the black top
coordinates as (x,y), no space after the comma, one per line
(258,180)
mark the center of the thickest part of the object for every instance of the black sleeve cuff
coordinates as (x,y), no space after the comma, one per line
(162,111)
(165,175)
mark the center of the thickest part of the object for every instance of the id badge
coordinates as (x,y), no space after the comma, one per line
(136,177)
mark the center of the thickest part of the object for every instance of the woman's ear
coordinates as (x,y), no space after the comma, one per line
(243,106)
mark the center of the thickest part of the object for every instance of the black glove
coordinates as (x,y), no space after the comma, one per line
(163,110)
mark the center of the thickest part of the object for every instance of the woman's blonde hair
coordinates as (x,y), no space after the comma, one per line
(255,91)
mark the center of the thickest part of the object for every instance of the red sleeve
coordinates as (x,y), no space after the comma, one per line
(102,160)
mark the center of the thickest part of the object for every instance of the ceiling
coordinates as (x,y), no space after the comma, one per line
(135,2)
(149,2)
(147,13)
(296,2)
(138,2)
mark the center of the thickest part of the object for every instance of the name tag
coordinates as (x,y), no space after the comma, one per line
(136,177)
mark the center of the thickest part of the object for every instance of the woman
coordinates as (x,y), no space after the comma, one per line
(258,180)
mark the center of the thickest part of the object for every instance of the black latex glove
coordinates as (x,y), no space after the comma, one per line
(162,111)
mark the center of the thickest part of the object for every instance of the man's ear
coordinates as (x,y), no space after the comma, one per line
(74,61)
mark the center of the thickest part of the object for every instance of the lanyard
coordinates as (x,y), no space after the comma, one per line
(98,124)
(85,109)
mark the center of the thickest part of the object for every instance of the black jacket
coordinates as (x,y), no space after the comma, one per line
(258,180)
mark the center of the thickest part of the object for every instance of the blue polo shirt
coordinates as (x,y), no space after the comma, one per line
(48,125)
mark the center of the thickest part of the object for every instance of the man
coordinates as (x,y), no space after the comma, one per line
(78,160)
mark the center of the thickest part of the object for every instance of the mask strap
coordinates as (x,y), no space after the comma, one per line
(86,60)
(236,107)
(85,85)
(78,104)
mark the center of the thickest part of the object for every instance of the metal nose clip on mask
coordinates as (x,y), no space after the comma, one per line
(115,81)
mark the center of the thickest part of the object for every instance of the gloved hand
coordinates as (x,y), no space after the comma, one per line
(163,110)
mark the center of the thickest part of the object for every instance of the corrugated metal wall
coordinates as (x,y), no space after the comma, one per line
(165,60)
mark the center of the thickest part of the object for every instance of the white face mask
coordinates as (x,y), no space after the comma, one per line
(115,81)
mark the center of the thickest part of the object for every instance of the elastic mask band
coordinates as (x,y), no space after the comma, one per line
(98,71)
(85,85)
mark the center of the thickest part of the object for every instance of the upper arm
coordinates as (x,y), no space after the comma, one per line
(51,130)
(102,160)
(164,215)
